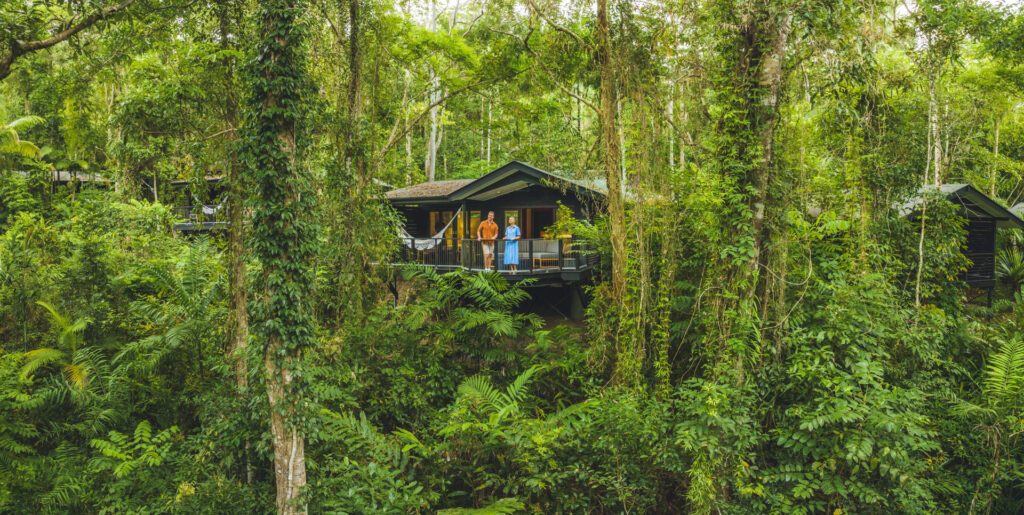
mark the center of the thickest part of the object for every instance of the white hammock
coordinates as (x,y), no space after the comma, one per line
(426,243)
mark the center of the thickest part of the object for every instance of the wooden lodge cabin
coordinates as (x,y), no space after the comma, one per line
(195,216)
(442,217)
(984,217)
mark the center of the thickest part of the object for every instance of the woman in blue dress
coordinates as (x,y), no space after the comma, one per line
(512,244)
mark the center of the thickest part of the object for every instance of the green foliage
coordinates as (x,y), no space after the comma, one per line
(283,237)
(1010,267)
(74,361)
(127,454)
(499,507)
(11,143)
(373,474)
(767,355)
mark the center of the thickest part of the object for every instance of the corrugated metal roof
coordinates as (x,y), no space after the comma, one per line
(428,190)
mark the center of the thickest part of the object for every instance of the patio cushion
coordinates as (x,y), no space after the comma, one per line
(542,249)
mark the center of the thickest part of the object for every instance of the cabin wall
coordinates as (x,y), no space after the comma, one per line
(526,202)
(417,218)
(980,248)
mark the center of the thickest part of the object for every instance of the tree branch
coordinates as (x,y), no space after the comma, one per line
(19,48)
(397,134)
(551,76)
(558,27)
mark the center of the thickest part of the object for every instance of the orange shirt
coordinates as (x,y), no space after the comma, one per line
(488,230)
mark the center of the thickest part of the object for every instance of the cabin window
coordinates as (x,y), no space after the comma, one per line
(509,213)
(474,223)
(438,220)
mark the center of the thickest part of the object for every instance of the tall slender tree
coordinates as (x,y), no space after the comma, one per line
(238,308)
(612,150)
(283,239)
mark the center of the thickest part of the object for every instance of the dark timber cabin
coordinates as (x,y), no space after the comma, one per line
(984,216)
(442,217)
(194,215)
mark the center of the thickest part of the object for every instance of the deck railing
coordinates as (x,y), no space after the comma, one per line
(199,218)
(535,256)
(203,213)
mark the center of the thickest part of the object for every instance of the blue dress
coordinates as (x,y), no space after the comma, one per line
(511,246)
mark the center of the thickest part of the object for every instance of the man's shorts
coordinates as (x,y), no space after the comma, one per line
(488,248)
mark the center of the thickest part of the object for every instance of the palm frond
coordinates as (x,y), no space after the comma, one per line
(25,123)
(517,390)
(60,320)
(1010,266)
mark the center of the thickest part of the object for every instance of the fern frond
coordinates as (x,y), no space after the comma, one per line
(500,507)
(517,390)
(25,123)
(60,320)
(479,390)
(77,375)
(38,358)
(1004,374)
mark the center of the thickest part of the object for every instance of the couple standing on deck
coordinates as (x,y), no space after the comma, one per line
(487,232)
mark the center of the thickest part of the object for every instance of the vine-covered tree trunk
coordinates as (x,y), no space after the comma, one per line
(751,79)
(612,152)
(283,238)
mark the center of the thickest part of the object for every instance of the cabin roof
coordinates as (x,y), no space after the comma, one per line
(437,190)
(1018,209)
(511,177)
(978,204)
(69,175)
(212,179)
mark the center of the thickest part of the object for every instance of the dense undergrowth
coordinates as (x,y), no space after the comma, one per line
(119,395)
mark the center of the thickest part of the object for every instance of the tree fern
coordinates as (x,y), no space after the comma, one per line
(500,507)
(75,361)
(363,442)
(1004,373)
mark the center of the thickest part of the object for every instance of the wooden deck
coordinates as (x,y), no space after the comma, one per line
(560,260)
(199,218)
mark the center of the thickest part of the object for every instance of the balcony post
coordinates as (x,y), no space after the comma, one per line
(464,237)
(529,255)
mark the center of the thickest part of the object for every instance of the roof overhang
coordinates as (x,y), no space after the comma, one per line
(515,176)
(512,177)
(977,204)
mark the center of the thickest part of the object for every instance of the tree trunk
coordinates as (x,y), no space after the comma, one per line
(289,444)
(430,161)
(765,202)
(671,130)
(356,151)
(612,152)
(933,124)
(488,130)
(284,239)
(238,312)
(995,163)
(408,133)
(238,309)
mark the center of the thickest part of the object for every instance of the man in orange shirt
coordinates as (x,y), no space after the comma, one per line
(487,232)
